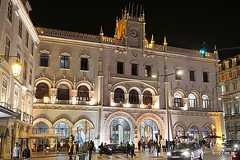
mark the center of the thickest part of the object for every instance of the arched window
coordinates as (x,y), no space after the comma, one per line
(119,95)
(133,97)
(178,101)
(192,100)
(84,131)
(42,90)
(205,101)
(83,93)
(62,129)
(40,128)
(63,92)
(147,98)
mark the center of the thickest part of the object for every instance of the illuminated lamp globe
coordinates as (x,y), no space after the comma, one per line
(179,72)
(16,69)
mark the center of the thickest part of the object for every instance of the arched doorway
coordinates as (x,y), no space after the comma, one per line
(149,130)
(120,131)
(40,143)
(84,131)
(62,131)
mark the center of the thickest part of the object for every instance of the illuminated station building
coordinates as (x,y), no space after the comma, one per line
(116,89)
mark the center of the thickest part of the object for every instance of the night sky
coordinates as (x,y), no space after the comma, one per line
(185,24)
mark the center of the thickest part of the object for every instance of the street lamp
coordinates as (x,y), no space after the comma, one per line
(16,66)
(166,94)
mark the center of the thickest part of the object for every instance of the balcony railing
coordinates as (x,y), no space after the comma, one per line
(27,118)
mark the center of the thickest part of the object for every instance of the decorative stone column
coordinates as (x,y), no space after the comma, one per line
(111,98)
(73,94)
(126,98)
(141,101)
(53,94)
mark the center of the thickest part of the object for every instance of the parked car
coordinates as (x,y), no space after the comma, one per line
(186,151)
(236,155)
(230,145)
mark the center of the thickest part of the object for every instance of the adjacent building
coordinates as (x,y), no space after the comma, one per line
(121,88)
(229,72)
(18,42)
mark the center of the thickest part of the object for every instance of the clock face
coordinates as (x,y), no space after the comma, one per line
(133,33)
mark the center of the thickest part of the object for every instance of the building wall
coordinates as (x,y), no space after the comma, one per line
(19,91)
(228,80)
(102,79)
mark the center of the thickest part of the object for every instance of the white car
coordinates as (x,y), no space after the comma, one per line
(186,151)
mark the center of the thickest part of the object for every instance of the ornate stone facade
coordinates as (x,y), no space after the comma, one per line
(118,87)
(228,79)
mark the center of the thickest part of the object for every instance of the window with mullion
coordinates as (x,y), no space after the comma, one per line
(7,49)
(20,28)
(120,68)
(65,62)
(44,57)
(178,102)
(84,64)
(134,69)
(192,75)
(10,10)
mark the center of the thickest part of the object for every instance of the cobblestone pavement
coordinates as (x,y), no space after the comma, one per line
(139,156)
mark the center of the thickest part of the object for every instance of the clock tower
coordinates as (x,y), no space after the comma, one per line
(131,27)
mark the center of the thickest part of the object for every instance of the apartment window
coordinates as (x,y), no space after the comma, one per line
(205,77)
(4,90)
(134,69)
(205,101)
(32,48)
(178,100)
(10,10)
(63,92)
(20,28)
(7,49)
(25,71)
(16,96)
(192,75)
(84,64)
(120,67)
(178,76)
(148,71)
(83,93)
(44,57)
(119,95)
(27,38)
(30,76)
(65,62)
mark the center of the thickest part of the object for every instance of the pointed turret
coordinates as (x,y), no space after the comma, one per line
(215,52)
(165,43)
(101,32)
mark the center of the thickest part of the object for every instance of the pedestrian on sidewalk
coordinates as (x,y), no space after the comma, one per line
(158,147)
(16,152)
(139,145)
(26,153)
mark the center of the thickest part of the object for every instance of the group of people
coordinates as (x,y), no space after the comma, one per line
(19,153)
(151,145)
(86,147)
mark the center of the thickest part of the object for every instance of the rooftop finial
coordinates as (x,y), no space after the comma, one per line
(152,39)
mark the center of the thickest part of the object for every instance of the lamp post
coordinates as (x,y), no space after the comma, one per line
(166,96)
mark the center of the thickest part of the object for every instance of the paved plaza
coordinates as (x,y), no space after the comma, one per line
(139,156)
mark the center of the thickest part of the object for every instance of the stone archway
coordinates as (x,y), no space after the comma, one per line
(153,123)
(121,119)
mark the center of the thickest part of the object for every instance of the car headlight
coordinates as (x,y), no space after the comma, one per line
(169,154)
(186,154)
